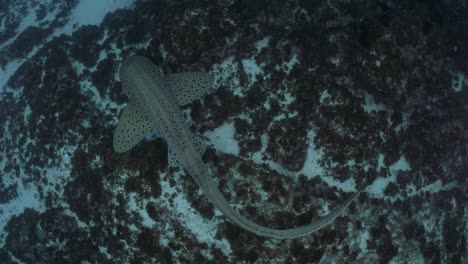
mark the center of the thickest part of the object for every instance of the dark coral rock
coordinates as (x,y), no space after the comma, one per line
(147,160)
(403,178)
(85,48)
(391,189)
(151,209)
(247,144)
(249,9)
(148,241)
(192,43)
(414,231)
(311,254)
(5,256)
(104,76)
(86,193)
(133,184)
(431,253)
(199,202)
(241,241)
(10,29)
(454,239)
(381,241)
(117,94)
(30,232)
(401,54)
(287,144)
(26,41)
(8,193)
(386,249)
(392,150)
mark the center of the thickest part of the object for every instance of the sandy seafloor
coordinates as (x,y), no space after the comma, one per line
(311,99)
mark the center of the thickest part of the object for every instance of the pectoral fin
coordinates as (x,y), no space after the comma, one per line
(131,129)
(189,86)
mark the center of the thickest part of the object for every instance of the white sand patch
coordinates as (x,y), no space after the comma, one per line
(91,12)
(222,139)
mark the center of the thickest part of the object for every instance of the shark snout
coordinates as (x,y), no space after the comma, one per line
(130,63)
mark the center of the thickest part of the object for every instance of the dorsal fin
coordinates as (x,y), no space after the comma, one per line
(132,128)
(189,86)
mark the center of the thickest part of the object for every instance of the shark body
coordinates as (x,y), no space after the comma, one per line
(154,105)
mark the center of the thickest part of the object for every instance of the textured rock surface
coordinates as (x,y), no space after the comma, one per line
(372,88)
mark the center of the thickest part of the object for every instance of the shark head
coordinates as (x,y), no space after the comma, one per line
(133,71)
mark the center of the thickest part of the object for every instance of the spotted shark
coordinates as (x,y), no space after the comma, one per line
(154,104)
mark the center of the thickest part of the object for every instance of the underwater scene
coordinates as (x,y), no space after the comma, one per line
(233,131)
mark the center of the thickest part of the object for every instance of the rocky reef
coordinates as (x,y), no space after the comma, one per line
(314,98)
